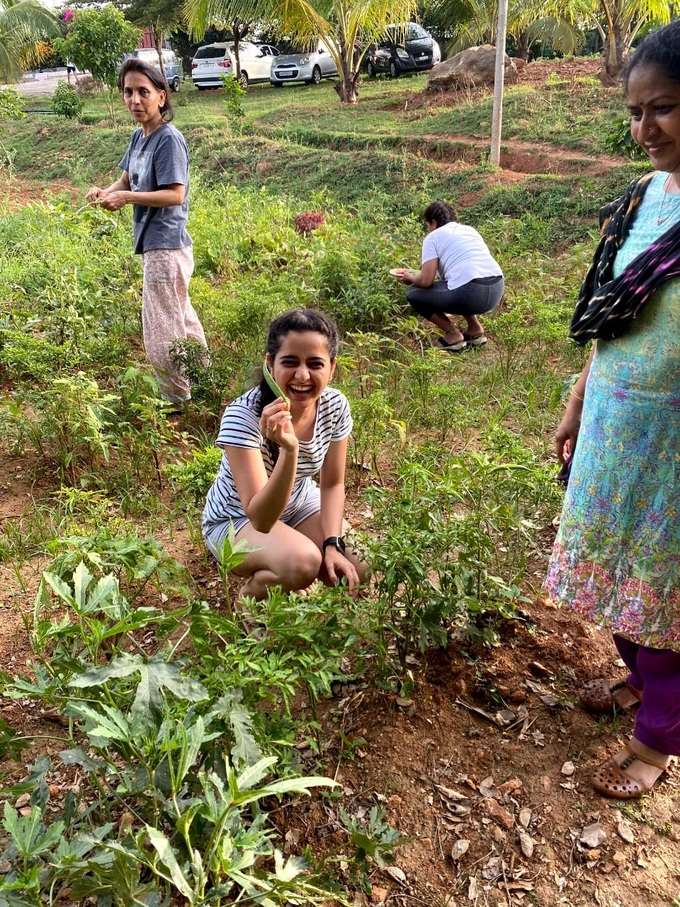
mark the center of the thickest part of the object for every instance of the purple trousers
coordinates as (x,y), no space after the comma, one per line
(656,673)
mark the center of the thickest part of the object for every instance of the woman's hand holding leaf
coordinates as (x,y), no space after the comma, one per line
(276,424)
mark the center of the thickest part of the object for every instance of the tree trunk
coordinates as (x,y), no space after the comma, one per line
(158,41)
(348,86)
(235,27)
(613,56)
(523,46)
(614,48)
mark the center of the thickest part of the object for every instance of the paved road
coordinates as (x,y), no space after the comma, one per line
(40,83)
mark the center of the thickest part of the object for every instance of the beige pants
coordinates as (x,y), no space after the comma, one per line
(168,315)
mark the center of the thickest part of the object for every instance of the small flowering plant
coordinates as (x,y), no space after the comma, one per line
(308,221)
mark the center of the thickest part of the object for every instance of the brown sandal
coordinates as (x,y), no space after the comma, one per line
(611,779)
(598,697)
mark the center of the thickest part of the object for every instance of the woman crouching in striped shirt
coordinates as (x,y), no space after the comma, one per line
(272,448)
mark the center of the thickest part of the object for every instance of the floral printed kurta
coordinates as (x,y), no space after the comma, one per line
(616,559)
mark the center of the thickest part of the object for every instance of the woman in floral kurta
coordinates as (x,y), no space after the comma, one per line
(617,554)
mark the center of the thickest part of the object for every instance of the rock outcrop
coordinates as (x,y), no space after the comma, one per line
(469,68)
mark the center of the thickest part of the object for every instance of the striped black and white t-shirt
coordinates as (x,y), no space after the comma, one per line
(240,427)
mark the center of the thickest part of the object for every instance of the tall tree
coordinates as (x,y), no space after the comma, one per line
(96,40)
(619,22)
(161,16)
(23,25)
(528,21)
(347,27)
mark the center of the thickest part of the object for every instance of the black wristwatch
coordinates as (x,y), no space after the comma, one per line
(335,541)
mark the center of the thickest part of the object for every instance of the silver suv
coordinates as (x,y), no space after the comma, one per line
(309,66)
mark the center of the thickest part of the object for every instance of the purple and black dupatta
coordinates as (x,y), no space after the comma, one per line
(606,307)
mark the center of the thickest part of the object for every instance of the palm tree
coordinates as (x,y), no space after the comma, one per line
(618,22)
(348,27)
(563,22)
(23,23)
(528,21)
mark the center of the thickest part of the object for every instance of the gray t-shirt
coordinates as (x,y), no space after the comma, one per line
(152,163)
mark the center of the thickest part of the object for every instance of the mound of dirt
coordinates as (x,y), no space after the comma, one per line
(536,73)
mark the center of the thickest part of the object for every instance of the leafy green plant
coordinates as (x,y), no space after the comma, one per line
(189,762)
(374,841)
(194,476)
(68,423)
(66,102)
(96,40)
(451,544)
(134,561)
(234,93)
(208,378)
(11,105)
(618,139)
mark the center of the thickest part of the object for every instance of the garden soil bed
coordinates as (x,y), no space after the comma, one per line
(428,756)
(443,772)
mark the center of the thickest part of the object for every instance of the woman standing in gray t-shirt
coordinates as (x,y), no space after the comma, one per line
(155,181)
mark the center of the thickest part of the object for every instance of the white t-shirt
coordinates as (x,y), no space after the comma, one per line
(462,253)
(241,428)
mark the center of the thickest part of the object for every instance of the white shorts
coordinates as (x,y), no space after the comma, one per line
(305,506)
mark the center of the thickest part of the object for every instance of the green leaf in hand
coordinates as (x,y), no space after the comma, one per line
(273,386)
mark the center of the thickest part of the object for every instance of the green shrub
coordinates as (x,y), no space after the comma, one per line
(66,102)
(619,140)
(11,105)
(68,424)
(195,476)
(233,102)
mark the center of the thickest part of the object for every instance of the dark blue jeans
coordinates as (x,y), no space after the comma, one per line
(474,298)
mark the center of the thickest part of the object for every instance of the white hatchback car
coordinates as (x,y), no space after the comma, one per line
(309,66)
(214,61)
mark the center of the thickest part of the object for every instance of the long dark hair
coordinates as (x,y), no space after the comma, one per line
(659,48)
(295,320)
(439,213)
(155,76)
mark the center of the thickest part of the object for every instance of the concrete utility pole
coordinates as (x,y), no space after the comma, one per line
(499,77)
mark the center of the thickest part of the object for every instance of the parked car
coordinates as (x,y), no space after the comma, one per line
(436,53)
(172,65)
(309,66)
(213,61)
(406,48)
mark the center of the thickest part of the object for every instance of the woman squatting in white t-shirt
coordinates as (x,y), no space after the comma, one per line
(470,284)
(272,449)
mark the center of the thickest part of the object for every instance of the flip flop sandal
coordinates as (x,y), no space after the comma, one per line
(611,779)
(457,347)
(597,697)
(475,339)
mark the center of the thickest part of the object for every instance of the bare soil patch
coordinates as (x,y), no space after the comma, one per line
(445,774)
(516,155)
(17,191)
